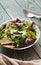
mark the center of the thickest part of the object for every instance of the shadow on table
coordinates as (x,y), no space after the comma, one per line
(26,54)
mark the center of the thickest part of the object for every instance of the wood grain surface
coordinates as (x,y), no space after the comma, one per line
(11,9)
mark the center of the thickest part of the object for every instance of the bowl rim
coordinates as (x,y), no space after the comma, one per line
(29,45)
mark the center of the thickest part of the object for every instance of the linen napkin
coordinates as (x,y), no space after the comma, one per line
(4,60)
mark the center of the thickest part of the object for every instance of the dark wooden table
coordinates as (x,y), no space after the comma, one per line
(10,9)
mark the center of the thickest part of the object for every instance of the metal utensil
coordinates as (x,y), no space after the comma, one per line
(32,14)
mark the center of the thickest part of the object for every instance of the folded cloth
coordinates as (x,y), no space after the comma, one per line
(4,60)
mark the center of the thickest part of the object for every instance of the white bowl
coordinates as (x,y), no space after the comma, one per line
(37,35)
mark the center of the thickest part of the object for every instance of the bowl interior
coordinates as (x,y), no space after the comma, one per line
(37,36)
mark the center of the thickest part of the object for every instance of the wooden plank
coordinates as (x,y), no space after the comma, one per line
(9,15)
(3,16)
(37,48)
(15,9)
(22,55)
(21,3)
(38,2)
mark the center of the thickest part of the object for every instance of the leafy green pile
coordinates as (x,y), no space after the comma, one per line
(25,31)
(18,32)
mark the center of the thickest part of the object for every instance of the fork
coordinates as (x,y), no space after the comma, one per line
(32,14)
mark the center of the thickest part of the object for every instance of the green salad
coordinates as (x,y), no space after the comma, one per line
(19,32)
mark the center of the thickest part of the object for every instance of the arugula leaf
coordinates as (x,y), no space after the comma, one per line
(30,27)
(33,36)
(0,29)
(28,34)
(24,26)
(13,37)
(1,35)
